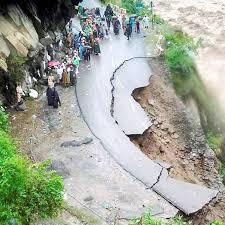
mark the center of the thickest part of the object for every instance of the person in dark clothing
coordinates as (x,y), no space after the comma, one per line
(49,94)
(116,27)
(97,12)
(56,99)
(138,26)
(128,31)
(95,33)
(108,11)
(53,97)
(96,48)
(88,54)
(108,21)
(108,15)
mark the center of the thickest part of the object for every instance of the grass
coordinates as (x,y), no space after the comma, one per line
(214,141)
(217,223)
(148,219)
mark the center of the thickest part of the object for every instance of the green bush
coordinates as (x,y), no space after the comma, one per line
(129,5)
(7,147)
(178,53)
(179,61)
(214,141)
(27,191)
(4,124)
(217,223)
(158,20)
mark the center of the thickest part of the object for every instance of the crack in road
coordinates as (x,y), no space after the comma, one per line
(158,179)
(112,78)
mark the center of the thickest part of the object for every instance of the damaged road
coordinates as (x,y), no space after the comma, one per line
(95,101)
(123,107)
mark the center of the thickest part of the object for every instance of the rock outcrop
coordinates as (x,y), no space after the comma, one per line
(27,27)
(24,23)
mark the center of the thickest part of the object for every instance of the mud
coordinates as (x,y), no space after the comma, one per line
(177,138)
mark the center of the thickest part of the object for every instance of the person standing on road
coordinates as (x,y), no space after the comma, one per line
(96,47)
(128,31)
(137,26)
(145,22)
(19,94)
(56,99)
(76,63)
(97,12)
(108,21)
(116,26)
(65,78)
(108,15)
(132,23)
(123,22)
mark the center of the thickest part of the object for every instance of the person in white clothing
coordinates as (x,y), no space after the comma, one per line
(145,22)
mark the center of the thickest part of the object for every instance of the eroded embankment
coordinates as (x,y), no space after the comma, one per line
(178,139)
(177,192)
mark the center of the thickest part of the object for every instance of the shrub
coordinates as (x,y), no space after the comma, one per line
(179,61)
(148,219)
(28,192)
(217,223)
(7,148)
(178,53)
(129,5)
(4,124)
(214,141)
(158,20)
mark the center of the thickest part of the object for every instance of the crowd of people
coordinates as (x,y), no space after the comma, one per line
(80,43)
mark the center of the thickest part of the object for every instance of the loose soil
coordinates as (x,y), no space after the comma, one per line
(176,137)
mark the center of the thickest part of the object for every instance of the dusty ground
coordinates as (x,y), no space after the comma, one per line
(202,19)
(176,138)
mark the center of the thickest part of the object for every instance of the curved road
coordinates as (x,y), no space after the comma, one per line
(94,97)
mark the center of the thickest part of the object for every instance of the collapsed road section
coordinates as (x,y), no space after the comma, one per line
(178,193)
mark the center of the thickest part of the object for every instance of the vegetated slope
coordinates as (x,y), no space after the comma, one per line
(205,19)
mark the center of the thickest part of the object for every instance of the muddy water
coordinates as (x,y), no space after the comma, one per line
(202,19)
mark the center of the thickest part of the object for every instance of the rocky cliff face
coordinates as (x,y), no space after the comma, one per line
(24,26)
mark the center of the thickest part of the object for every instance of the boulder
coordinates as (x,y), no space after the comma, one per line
(33,93)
